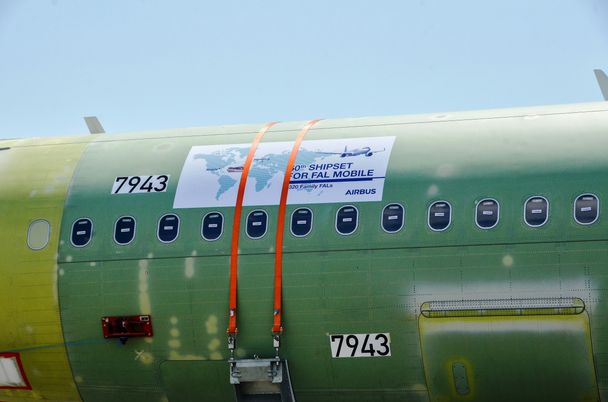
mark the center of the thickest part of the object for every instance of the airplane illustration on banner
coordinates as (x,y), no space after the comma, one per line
(367,151)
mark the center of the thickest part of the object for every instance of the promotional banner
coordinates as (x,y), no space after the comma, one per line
(339,170)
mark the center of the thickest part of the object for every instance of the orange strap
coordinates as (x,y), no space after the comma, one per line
(278,257)
(236,228)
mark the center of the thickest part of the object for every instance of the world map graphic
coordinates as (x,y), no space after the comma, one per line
(226,166)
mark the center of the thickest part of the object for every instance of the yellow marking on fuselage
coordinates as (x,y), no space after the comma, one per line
(145,306)
(34,183)
(211,324)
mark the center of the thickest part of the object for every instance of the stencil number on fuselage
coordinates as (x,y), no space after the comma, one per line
(140,184)
(360,345)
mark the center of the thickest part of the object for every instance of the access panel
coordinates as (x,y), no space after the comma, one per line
(508,350)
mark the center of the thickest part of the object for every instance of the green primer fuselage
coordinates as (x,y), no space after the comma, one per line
(368,282)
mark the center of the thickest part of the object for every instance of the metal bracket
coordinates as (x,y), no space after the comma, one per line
(276,344)
(231,345)
(256,370)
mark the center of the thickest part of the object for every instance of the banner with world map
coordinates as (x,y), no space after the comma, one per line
(336,170)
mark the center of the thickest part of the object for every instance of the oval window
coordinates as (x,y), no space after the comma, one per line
(586,209)
(82,229)
(124,230)
(257,222)
(38,234)
(301,222)
(392,218)
(168,228)
(347,220)
(536,211)
(213,226)
(487,212)
(440,216)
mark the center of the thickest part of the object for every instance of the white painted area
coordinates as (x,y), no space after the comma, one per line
(10,375)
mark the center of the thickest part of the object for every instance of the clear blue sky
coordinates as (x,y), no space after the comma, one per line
(141,65)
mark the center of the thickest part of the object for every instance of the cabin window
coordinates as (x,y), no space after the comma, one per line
(124,230)
(257,223)
(82,229)
(440,216)
(487,213)
(168,228)
(301,222)
(536,211)
(392,218)
(213,226)
(347,220)
(38,234)
(586,209)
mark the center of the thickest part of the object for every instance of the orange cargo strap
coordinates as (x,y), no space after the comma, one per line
(278,257)
(236,228)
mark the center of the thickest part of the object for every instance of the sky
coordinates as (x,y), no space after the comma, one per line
(148,65)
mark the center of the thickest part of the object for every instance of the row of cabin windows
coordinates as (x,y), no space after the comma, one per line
(487,214)
(536,212)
